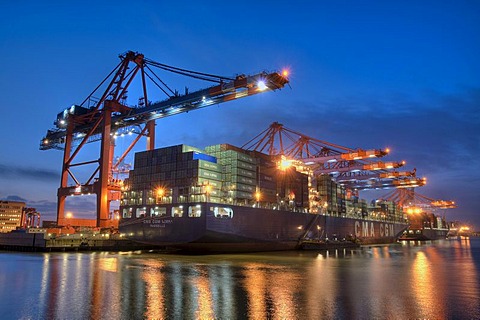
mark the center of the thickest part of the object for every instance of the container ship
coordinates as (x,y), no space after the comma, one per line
(227,199)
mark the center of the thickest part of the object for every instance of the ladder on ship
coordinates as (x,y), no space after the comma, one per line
(309,227)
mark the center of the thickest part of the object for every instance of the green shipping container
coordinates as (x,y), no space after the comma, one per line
(207,174)
(210,166)
(214,183)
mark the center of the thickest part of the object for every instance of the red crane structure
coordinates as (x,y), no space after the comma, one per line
(30,218)
(353,168)
(409,198)
(104,118)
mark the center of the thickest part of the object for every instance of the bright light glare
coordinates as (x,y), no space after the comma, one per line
(208,188)
(261,85)
(160,192)
(285,164)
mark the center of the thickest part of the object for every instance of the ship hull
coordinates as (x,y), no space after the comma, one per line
(425,234)
(226,228)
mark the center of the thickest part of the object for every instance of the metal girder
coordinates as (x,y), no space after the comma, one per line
(384,184)
(349,166)
(368,175)
(408,197)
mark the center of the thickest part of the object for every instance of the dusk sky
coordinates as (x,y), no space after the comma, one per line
(364,74)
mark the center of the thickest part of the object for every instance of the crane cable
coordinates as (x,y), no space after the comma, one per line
(189,73)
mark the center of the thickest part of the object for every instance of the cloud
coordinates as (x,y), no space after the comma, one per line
(47,208)
(15,172)
(15,198)
(82,207)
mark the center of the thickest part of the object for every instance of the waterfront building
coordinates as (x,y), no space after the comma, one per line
(10,215)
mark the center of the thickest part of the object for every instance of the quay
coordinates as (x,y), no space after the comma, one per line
(38,240)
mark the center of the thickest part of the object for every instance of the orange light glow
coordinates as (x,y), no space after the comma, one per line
(414,210)
(285,164)
(285,73)
(208,188)
(160,192)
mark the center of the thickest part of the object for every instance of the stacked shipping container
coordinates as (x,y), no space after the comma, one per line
(182,173)
(239,172)
(220,173)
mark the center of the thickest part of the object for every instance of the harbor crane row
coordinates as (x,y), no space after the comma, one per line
(101,119)
(322,157)
(410,198)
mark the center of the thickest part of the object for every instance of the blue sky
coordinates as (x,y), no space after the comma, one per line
(364,74)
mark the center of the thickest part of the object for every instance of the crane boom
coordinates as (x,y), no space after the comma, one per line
(410,182)
(358,154)
(355,166)
(241,86)
(375,175)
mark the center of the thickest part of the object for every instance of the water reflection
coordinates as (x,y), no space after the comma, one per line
(271,291)
(154,284)
(432,280)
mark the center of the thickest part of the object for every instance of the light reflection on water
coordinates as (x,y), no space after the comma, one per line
(429,280)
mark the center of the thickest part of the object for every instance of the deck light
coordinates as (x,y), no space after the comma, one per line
(285,164)
(208,188)
(261,85)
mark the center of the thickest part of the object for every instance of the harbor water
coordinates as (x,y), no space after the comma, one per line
(432,280)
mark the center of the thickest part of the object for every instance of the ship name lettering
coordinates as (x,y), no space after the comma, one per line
(365,229)
(157,225)
(386,230)
(159,221)
(357,229)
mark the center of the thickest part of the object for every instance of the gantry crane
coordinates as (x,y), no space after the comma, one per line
(104,118)
(352,168)
(322,157)
(408,197)
(381,180)
(383,183)
(414,203)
